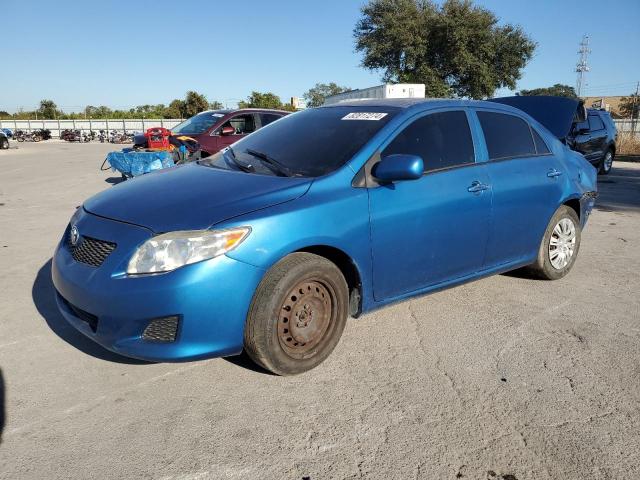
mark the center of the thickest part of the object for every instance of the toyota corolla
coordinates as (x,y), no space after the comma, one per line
(270,245)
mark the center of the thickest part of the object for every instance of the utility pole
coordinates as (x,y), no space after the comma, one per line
(582,67)
(634,114)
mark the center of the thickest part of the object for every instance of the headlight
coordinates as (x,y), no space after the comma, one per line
(169,251)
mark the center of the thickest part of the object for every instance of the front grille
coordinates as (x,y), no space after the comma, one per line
(162,329)
(90,250)
(83,315)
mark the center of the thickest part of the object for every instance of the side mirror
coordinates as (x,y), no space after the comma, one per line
(227,131)
(398,167)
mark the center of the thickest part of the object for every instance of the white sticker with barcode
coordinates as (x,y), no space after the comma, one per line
(364,116)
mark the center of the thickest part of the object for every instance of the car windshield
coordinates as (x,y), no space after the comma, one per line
(199,123)
(310,143)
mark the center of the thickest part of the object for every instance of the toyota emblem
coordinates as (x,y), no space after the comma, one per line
(75,236)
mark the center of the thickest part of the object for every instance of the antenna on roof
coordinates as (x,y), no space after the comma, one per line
(582,67)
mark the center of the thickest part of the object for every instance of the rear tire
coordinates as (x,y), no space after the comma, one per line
(4,143)
(297,314)
(559,247)
(606,163)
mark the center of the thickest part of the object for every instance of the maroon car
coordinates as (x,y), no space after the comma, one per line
(217,129)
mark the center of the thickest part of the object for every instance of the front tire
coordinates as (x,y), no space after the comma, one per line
(560,245)
(4,144)
(297,314)
(606,163)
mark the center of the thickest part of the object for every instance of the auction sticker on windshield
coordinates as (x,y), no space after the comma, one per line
(364,116)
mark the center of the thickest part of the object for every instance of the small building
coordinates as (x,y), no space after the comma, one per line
(397,90)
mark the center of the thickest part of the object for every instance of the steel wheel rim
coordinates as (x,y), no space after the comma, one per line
(608,161)
(306,317)
(562,244)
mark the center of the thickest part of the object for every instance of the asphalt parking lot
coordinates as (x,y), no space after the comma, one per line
(505,378)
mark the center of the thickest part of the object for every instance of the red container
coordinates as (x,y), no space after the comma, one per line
(158,138)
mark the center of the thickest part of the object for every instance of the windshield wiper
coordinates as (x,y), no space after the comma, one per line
(271,163)
(238,163)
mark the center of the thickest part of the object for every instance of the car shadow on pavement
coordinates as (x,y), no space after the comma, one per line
(620,190)
(114,180)
(244,361)
(43,295)
(2,407)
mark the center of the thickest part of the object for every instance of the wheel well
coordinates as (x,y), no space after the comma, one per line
(612,147)
(574,204)
(348,269)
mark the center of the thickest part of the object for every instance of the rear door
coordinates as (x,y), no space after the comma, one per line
(526,181)
(598,136)
(427,231)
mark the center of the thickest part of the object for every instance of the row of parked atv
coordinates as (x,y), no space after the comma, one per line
(101,136)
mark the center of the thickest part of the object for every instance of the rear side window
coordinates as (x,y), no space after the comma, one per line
(267,118)
(541,147)
(506,136)
(595,123)
(443,140)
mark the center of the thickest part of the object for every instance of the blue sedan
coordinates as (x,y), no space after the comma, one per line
(270,245)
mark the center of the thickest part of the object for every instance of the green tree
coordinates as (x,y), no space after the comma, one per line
(261,100)
(176,109)
(457,49)
(557,90)
(215,105)
(48,109)
(194,103)
(630,106)
(315,96)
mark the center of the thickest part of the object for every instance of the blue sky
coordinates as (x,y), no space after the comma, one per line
(126,53)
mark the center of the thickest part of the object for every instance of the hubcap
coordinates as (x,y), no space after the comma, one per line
(305,317)
(608,161)
(562,243)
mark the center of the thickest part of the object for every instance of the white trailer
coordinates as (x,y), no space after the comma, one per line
(398,90)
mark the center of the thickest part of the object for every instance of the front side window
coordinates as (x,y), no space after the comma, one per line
(442,140)
(506,136)
(242,124)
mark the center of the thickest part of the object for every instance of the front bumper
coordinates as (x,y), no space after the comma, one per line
(211,298)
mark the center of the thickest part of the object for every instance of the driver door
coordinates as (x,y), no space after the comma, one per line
(427,231)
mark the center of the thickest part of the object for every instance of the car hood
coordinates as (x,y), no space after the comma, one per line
(557,114)
(192,197)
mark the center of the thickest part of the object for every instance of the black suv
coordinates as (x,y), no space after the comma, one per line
(595,138)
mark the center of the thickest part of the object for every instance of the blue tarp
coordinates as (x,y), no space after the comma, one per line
(138,163)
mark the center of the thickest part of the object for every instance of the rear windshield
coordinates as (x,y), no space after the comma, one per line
(198,124)
(313,142)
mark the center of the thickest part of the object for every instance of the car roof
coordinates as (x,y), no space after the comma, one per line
(227,111)
(428,103)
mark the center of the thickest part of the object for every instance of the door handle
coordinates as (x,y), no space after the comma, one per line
(477,187)
(553,173)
